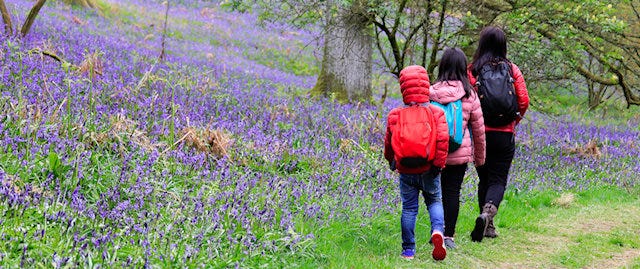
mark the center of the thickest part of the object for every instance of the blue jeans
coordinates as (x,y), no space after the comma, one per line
(410,187)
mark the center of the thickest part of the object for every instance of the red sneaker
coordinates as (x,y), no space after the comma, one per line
(439,250)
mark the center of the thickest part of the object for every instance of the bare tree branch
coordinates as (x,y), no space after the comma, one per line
(6,17)
(437,39)
(425,32)
(394,46)
(631,98)
(382,52)
(396,23)
(32,16)
(635,10)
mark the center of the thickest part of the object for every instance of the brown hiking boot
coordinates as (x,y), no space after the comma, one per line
(491,230)
(491,211)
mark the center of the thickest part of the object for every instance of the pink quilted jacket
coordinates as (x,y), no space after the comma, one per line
(445,92)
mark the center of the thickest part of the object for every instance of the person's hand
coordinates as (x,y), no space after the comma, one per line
(438,170)
(392,165)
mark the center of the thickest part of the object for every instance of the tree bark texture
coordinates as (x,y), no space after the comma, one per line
(347,60)
(32,16)
(6,18)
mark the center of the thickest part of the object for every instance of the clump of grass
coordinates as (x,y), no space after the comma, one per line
(18,187)
(590,149)
(565,200)
(122,130)
(92,65)
(30,112)
(213,142)
(282,110)
(345,145)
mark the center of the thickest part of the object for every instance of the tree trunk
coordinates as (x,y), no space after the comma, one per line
(6,17)
(32,16)
(596,95)
(164,31)
(437,38)
(347,60)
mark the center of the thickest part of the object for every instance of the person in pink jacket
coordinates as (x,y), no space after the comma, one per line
(492,49)
(452,85)
(425,179)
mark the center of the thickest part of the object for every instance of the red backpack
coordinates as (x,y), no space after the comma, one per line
(413,138)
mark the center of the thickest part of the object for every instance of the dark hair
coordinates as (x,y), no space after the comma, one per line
(492,47)
(453,67)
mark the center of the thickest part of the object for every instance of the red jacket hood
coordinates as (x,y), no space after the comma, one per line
(445,92)
(414,84)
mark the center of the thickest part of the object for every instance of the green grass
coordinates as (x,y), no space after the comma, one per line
(298,64)
(559,102)
(537,230)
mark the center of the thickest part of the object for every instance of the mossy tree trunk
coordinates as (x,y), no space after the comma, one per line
(347,60)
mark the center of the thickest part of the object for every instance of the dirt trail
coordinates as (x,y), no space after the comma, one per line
(565,229)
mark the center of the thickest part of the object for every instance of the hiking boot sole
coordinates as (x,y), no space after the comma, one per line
(439,251)
(406,257)
(490,232)
(478,230)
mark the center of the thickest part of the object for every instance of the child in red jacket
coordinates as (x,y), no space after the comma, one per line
(418,177)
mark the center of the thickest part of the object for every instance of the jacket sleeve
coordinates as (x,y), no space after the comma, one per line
(472,79)
(388,150)
(442,138)
(521,91)
(476,121)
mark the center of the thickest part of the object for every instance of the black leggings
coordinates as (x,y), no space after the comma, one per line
(493,174)
(451,182)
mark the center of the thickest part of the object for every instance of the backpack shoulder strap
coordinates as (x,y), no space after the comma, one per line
(509,67)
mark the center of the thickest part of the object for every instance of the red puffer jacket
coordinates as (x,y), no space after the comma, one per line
(521,93)
(414,85)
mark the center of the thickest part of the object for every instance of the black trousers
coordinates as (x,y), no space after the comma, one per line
(451,182)
(493,175)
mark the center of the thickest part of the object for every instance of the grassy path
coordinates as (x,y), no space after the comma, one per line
(597,228)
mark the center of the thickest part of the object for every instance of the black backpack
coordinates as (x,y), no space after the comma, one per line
(497,94)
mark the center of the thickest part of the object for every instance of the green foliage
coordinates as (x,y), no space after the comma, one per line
(555,100)
(236,5)
(570,39)
(562,101)
(55,166)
